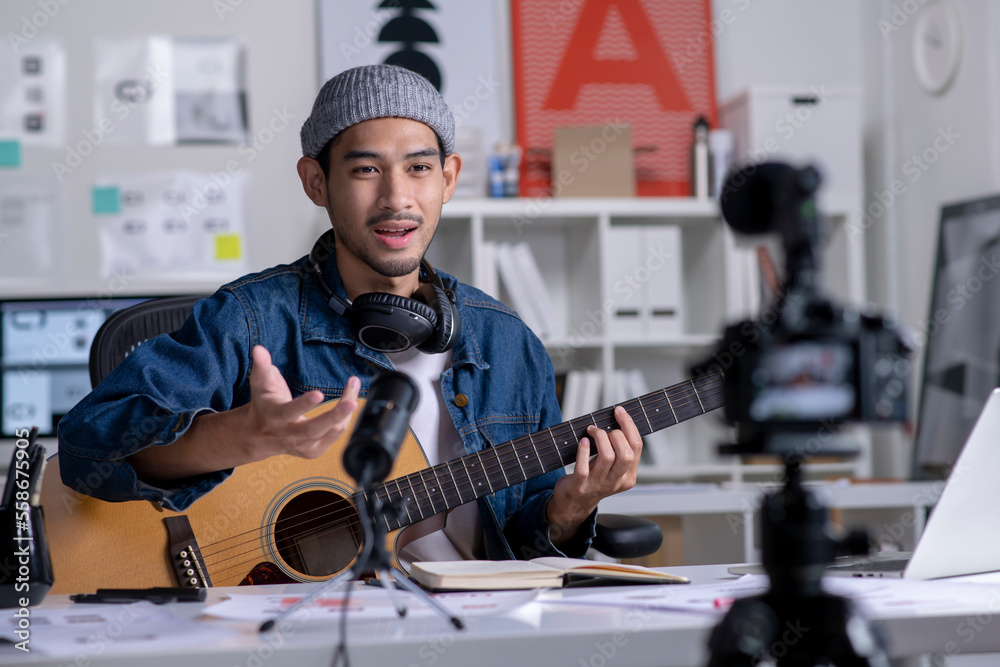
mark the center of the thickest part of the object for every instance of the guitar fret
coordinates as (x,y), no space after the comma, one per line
(697,396)
(403,499)
(455,482)
(429,497)
(385,517)
(448,485)
(500,465)
(532,460)
(418,502)
(559,455)
(517,457)
(648,423)
(485,474)
(464,476)
(670,405)
(475,475)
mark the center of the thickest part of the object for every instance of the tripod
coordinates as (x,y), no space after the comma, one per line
(373,557)
(795,622)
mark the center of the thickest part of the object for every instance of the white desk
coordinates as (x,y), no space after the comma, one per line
(738,506)
(536,634)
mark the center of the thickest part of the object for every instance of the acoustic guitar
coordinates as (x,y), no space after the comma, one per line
(293,519)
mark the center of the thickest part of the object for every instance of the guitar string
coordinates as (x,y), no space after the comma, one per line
(502,461)
(322,533)
(349,511)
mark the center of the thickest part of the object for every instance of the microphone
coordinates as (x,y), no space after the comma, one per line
(381,427)
(754,195)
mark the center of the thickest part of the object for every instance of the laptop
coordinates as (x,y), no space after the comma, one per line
(961,536)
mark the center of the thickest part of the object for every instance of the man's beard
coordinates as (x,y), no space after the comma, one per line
(390,267)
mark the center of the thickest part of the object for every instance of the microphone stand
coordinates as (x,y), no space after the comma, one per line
(373,557)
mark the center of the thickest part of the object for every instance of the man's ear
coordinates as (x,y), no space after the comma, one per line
(313,180)
(452,165)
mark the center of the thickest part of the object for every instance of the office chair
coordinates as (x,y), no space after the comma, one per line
(128,328)
(618,535)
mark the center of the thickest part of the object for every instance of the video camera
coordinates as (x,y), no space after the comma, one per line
(805,363)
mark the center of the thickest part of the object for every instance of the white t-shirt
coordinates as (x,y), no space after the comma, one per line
(458,534)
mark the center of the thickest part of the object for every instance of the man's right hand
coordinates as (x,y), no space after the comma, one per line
(271,423)
(276,422)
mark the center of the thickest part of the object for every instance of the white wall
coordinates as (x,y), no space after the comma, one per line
(786,42)
(904,121)
(281,74)
(967,168)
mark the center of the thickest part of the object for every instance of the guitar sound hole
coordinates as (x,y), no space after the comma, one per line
(317,533)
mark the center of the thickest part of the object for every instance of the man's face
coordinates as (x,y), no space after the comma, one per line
(385,192)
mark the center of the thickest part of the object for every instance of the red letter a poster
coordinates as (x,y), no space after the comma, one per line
(644,63)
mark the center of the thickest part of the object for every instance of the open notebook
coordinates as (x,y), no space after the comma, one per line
(961,535)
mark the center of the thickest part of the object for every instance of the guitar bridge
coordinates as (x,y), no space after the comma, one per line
(185,554)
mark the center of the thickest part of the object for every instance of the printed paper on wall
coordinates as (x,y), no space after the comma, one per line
(162,90)
(33,94)
(172,224)
(30,228)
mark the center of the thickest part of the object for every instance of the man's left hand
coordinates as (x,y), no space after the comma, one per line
(612,470)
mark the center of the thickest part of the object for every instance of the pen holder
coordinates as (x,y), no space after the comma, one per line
(25,566)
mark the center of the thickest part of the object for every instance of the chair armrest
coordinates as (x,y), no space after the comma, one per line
(625,536)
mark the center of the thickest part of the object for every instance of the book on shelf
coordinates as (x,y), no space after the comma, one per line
(488,278)
(515,281)
(572,391)
(541,299)
(590,397)
(549,572)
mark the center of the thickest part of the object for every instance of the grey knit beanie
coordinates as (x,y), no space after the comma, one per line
(375,91)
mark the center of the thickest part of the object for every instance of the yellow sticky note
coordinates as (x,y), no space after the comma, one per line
(227,246)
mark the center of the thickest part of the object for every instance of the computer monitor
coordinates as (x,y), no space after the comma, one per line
(44,356)
(962,334)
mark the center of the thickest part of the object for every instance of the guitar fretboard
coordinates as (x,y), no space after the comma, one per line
(453,483)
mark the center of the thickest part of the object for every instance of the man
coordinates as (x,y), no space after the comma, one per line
(233,386)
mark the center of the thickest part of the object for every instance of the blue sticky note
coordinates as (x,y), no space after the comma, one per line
(106,200)
(10,153)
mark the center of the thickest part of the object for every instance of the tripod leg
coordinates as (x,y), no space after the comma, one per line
(744,634)
(860,645)
(405,582)
(390,590)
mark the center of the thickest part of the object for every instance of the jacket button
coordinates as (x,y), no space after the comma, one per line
(461,400)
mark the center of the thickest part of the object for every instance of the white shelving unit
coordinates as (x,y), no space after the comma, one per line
(572,242)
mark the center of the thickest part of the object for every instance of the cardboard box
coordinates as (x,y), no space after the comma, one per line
(593,161)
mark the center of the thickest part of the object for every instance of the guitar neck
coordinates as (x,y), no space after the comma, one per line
(453,483)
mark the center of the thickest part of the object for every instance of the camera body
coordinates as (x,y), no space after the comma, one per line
(805,363)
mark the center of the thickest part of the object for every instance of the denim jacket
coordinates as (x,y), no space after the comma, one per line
(151,398)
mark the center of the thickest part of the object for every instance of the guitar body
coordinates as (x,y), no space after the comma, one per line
(291,512)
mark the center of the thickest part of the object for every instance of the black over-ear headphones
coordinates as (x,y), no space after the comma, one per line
(389,322)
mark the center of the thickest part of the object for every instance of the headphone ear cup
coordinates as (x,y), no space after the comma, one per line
(389,322)
(449,322)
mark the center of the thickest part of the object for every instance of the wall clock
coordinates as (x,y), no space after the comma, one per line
(937,46)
